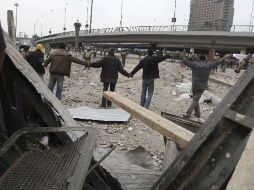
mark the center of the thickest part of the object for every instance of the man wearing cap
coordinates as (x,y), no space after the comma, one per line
(36,59)
(110,65)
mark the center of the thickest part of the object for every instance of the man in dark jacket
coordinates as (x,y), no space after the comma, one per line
(60,66)
(200,75)
(110,65)
(36,59)
(150,66)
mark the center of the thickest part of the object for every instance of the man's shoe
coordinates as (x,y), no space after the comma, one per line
(197,116)
(186,116)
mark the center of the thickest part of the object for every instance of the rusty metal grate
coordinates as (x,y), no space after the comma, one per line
(44,169)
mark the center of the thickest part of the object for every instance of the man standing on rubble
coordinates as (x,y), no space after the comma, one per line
(60,66)
(123,56)
(110,65)
(36,59)
(87,56)
(200,75)
(150,66)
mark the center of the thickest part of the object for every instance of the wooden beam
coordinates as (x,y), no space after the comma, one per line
(165,127)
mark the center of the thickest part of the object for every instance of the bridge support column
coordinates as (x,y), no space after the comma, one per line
(243,51)
(77,29)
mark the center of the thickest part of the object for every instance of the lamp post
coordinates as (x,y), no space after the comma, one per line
(50,12)
(121,20)
(35,25)
(86,26)
(65,10)
(16,5)
(174,18)
(91,17)
(41,24)
(251,16)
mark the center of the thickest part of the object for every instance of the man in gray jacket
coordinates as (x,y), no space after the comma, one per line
(200,75)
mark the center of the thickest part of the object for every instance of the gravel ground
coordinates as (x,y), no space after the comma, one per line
(84,88)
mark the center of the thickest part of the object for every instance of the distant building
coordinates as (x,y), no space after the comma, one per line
(210,15)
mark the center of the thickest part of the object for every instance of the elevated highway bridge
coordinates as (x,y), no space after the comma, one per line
(239,38)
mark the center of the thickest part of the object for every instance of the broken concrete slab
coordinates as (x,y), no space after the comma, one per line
(95,114)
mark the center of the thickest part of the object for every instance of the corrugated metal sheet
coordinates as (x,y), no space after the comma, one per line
(95,114)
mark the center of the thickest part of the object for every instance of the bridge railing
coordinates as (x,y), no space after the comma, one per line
(166,28)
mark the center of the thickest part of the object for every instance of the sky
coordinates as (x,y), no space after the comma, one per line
(38,16)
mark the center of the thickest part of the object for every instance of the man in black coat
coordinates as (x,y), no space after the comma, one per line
(150,66)
(36,59)
(110,65)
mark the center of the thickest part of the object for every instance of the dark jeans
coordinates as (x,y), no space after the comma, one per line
(123,61)
(112,87)
(147,86)
(53,79)
(197,93)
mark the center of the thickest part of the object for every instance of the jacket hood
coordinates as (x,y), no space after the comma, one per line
(59,52)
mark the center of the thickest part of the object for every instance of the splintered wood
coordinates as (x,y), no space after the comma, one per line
(165,127)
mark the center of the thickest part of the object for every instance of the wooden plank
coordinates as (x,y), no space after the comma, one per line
(165,127)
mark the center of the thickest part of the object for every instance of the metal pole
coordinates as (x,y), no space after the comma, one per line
(251,17)
(91,17)
(65,10)
(41,24)
(16,5)
(121,20)
(175,14)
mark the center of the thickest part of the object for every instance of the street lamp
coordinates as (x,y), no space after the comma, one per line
(174,18)
(35,25)
(251,16)
(41,23)
(121,20)
(91,17)
(86,26)
(16,5)
(65,10)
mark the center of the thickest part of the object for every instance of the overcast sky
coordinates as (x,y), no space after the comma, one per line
(32,14)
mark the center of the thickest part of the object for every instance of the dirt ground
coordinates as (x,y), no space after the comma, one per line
(84,88)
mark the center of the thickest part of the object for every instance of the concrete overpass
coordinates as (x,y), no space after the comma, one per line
(234,41)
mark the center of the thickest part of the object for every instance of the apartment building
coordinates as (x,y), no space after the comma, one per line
(211,15)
